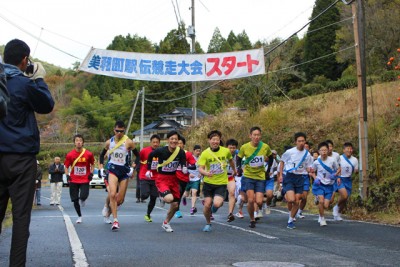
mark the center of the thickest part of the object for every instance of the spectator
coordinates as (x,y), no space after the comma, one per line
(38,184)
(56,171)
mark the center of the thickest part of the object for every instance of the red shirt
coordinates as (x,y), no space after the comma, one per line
(80,172)
(190,160)
(144,155)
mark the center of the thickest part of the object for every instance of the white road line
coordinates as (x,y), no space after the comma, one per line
(246,230)
(78,253)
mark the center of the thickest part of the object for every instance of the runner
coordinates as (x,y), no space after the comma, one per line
(212,165)
(184,177)
(119,149)
(324,170)
(256,153)
(295,162)
(348,165)
(169,158)
(194,182)
(80,161)
(232,145)
(148,184)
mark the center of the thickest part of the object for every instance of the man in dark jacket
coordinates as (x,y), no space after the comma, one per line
(38,186)
(20,142)
(56,171)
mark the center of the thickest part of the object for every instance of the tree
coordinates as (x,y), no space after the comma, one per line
(321,42)
(217,42)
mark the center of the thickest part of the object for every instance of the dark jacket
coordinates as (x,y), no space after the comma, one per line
(4,97)
(18,130)
(39,177)
(56,175)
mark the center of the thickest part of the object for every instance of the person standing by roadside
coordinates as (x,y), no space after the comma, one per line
(56,171)
(20,142)
(81,162)
(38,186)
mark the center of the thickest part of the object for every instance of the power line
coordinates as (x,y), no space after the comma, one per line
(174,89)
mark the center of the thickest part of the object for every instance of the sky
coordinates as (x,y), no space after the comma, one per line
(74,26)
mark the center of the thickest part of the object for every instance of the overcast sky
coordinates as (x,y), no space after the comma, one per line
(94,23)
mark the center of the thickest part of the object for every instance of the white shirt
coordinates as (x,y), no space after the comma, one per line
(347,170)
(196,173)
(119,155)
(292,158)
(336,156)
(323,175)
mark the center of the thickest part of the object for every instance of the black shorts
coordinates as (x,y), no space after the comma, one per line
(148,188)
(212,190)
(78,191)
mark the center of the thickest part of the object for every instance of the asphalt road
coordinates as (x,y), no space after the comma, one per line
(57,241)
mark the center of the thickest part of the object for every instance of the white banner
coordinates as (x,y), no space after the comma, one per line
(174,67)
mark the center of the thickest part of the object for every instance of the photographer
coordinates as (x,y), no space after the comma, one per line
(20,142)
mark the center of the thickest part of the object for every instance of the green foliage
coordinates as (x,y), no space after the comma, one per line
(312,89)
(384,196)
(217,42)
(297,94)
(343,83)
(389,76)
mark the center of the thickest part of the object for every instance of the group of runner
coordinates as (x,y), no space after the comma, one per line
(252,174)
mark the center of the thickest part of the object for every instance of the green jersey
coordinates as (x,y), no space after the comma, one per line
(216,163)
(255,168)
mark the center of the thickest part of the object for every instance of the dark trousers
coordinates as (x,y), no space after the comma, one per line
(182,187)
(17,181)
(137,186)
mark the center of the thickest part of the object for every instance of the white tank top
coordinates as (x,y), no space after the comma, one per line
(120,155)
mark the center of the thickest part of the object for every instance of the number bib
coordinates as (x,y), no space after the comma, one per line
(118,157)
(170,167)
(154,164)
(258,161)
(216,168)
(79,171)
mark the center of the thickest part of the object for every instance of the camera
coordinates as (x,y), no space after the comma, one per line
(29,69)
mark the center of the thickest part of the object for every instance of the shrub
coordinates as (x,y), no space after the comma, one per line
(297,94)
(389,76)
(313,89)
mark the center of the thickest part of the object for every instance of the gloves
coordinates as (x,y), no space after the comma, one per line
(90,177)
(184,170)
(149,174)
(38,71)
(37,181)
(68,178)
(130,173)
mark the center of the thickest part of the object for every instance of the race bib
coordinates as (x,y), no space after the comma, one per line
(154,164)
(258,161)
(79,171)
(170,167)
(118,157)
(216,168)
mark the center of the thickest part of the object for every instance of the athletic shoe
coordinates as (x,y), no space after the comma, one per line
(338,217)
(300,215)
(252,224)
(82,202)
(335,211)
(115,226)
(319,219)
(184,201)
(79,220)
(258,215)
(167,227)
(211,217)
(178,214)
(322,222)
(231,218)
(107,220)
(207,228)
(239,214)
(147,218)
(316,201)
(137,200)
(291,226)
(267,210)
(105,211)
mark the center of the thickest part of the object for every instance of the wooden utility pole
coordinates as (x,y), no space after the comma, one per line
(359,38)
(192,34)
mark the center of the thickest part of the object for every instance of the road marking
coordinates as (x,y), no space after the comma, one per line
(78,253)
(246,230)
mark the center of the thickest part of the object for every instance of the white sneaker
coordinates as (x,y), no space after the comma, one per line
(167,227)
(105,211)
(259,214)
(82,202)
(338,217)
(300,215)
(335,211)
(107,220)
(79,220)
(267,210)
(322,222)
(319,219)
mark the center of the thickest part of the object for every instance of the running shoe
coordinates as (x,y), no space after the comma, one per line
(291,226)
(184,201)
(267,210)
(105,211)
(322,222)
(107,220)
(300,215)
(178,214)
(147,218)
(338,217)
(211,217)
(319,219)
(335,211)
(258,215)
(82,202)
(207,228)
(231,218)
(79,220)
(239,214)
(167,227)
(316,201)
(115,226)
(252,224)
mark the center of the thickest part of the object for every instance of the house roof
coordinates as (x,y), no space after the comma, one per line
(167,125)
(187,112)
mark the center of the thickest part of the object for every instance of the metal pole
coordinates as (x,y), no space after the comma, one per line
(142,121)
(194,97)
(132,112)
(359,38)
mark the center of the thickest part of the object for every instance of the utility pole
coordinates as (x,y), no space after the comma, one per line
(132,112)
(192,34)
(359,38)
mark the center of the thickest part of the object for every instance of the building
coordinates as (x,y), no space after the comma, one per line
(178,119)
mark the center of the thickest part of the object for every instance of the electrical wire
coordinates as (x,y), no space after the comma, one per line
(171,90)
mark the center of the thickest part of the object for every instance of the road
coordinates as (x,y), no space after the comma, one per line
(56,240)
